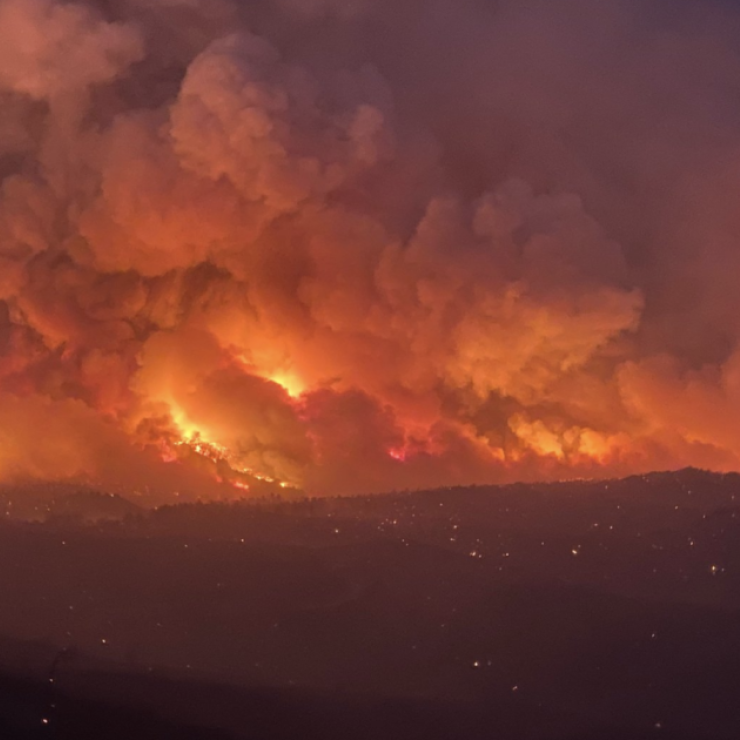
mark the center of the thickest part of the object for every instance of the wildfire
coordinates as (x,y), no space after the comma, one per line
(279,269)
(289,381)
(228,469)
(283,375)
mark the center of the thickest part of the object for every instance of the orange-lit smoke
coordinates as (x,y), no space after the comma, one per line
(351,247)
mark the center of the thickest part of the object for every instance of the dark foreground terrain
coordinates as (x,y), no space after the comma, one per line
(573,611)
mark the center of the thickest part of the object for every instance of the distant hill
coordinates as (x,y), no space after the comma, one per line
(43,502)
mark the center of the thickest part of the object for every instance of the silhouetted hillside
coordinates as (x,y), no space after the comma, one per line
(574,611)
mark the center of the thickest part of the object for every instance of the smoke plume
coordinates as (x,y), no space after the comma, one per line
(355,246)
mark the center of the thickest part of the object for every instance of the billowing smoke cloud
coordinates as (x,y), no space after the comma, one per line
(366,245)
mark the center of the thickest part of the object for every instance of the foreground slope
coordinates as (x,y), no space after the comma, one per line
(583,610)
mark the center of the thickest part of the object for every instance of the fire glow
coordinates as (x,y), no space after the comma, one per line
(227,467)
(259,264)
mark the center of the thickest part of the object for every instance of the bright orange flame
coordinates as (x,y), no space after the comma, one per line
(289,381)
(286,377)
(196,441)
(186,429)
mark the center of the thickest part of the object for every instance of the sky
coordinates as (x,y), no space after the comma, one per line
(367,245)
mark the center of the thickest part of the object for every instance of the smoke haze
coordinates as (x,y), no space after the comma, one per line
(355,246)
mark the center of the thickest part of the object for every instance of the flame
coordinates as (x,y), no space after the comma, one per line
(283,272)
(195,441)
(289,381)
(286,376)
